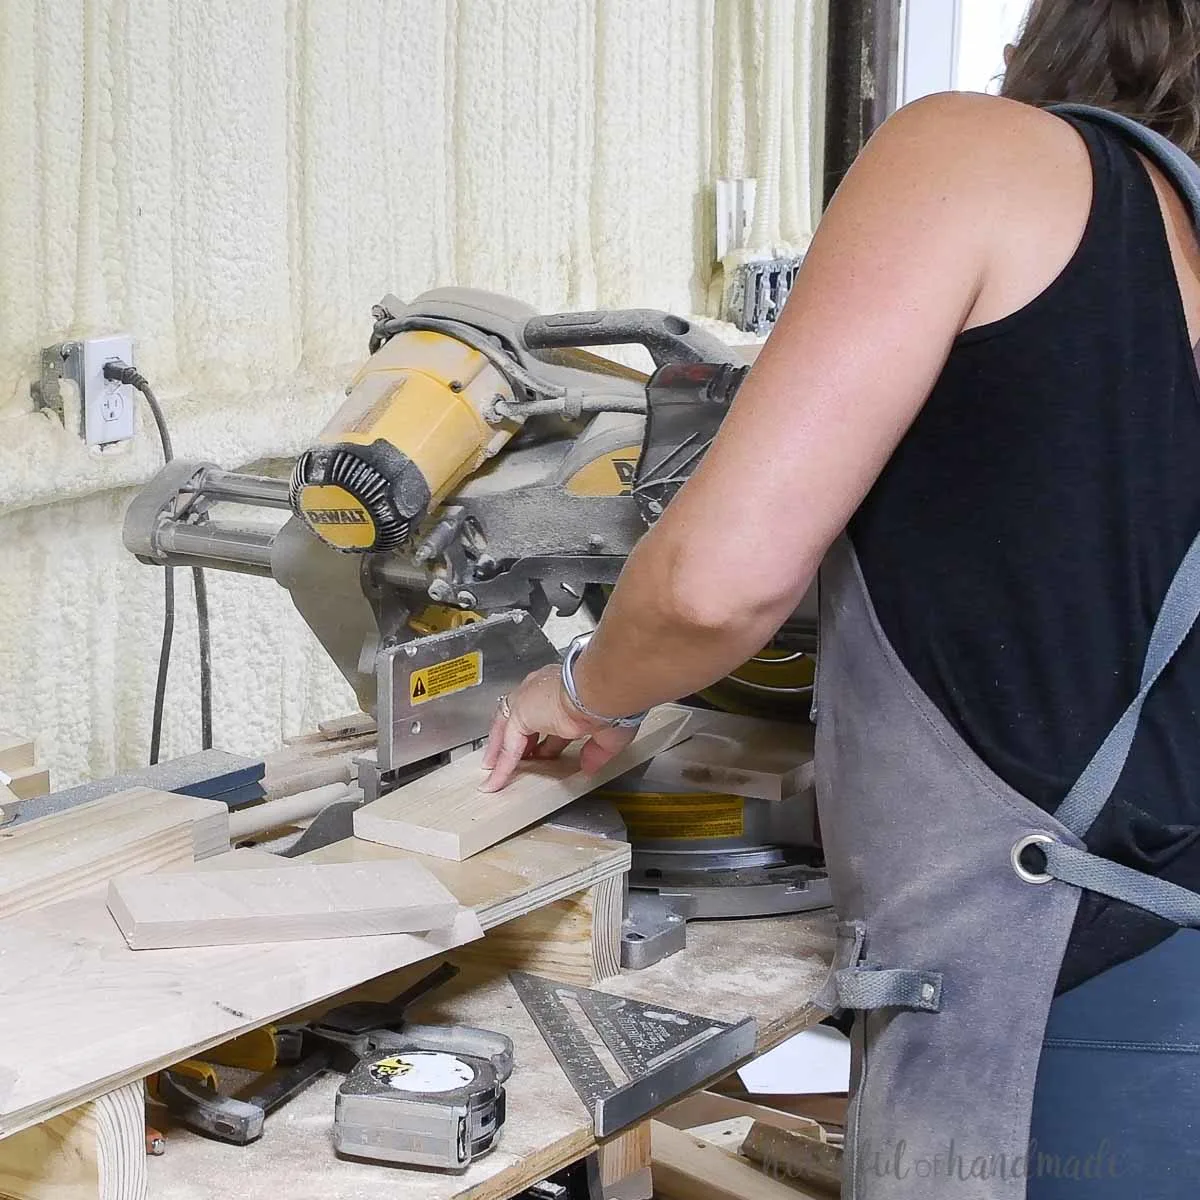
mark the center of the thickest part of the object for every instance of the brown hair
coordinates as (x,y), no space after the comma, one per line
(1138,57)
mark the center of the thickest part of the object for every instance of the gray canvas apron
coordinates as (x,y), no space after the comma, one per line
(955,894)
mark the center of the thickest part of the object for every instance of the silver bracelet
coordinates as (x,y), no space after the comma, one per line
(574,650)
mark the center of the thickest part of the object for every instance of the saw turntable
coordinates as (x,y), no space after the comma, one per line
(486,471)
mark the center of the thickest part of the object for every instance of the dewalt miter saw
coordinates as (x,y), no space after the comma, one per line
(485,471)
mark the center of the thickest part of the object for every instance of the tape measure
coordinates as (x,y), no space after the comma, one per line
(421,1105)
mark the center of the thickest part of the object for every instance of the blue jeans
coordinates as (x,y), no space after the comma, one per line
(1116,1113)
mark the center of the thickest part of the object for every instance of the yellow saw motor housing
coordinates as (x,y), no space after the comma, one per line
(413,427)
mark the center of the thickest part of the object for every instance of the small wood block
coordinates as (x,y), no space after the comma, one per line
(445,814)
(296,902)
(28,782)
(16,754)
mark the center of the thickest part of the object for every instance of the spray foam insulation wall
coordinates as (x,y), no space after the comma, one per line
(237,183)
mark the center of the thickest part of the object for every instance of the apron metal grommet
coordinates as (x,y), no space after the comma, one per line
(1023,872)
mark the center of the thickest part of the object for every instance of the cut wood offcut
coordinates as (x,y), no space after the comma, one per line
(445,814)
(292,902)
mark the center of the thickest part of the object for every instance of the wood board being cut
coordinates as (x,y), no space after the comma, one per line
(287,902)
(445,814)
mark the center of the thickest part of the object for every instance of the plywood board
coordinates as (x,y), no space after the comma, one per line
(279,902)
(67,968)
(743,756)
(72,852)
(445,814)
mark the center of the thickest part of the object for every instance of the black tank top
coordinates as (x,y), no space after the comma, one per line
(1020,542)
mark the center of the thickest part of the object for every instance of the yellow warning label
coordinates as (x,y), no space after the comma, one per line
(446,678)
(675,816)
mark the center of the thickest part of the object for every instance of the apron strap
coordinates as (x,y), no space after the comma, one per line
(866,988)
(1168,157)
(1090,871)
(1179,613)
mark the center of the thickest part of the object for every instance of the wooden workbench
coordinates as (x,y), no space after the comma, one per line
(769,969)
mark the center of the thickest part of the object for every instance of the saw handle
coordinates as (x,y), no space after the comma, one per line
(669,339)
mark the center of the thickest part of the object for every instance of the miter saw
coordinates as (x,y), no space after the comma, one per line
(485,471)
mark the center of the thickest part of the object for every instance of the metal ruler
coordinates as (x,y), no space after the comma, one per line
(658,1053)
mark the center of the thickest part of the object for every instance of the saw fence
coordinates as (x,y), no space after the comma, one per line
(84,1019)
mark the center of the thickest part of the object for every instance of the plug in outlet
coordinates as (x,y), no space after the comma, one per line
(107,406)
(106,409)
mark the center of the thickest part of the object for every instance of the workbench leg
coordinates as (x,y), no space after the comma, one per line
(94,1152)
(625,1165)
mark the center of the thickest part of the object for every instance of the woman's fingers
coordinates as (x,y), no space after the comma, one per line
(513,741)
(491,751)
(551,746)
(602,746)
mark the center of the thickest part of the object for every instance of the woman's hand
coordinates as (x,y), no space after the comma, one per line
(539,723)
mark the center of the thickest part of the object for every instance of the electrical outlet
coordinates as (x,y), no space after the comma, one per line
(108,407)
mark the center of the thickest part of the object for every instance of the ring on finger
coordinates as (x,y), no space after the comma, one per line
(505,711)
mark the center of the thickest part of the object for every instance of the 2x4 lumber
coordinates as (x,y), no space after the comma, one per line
(810,1161)
(445,814)
(57,857)
(625,1165)
(686,1168)
(574,940)
(94,1152)
(278,903)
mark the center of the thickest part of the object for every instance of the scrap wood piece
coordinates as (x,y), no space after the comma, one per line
(278,903)
(54,858)
(445,814)
(686,1168)
(785,1154)
(726,1135)
(16,754)
(745,756)
(27,783)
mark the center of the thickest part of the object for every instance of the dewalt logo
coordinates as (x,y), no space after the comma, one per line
(338,516)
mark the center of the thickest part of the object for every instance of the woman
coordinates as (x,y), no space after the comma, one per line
(985,376)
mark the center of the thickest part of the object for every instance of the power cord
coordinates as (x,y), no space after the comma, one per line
(120,372)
